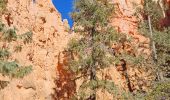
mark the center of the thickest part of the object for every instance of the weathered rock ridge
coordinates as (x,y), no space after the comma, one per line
(49,38)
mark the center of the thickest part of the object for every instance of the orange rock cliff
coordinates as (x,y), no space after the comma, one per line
(49,40)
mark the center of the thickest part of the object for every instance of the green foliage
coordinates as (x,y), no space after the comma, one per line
(4,53)
(9,35)
(161,37)
(93,49)
(160,92)
(12,68)
(18,48)
(152,9)
(108,85)
(98,13)
(2,26)
(27,37)
(3,5)
(22,71)
(137,61)
(93,16)
(7,68)
(144,28)
(100,84)
(97,36)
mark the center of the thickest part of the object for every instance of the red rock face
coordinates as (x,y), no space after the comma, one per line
(124,20)
(166,21)
(66,86)
(168,1)
(49,38)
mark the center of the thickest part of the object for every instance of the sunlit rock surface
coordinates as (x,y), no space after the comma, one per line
(49,38)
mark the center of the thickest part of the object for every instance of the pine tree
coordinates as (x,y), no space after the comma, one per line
(159,36)
(92,51)
(93,48)
(160,46)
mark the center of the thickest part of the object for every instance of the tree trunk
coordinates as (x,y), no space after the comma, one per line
(126,75)
(93,77)
(152,41)
(159,73)
(161,3)
(93,68)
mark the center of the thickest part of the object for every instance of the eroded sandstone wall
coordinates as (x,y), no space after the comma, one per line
(126,22)
(49,38)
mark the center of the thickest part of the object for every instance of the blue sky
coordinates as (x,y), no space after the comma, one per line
(64,7)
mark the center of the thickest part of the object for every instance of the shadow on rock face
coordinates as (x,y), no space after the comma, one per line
(65,86)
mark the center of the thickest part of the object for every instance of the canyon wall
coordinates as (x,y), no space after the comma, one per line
(125,22)
(49,38)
